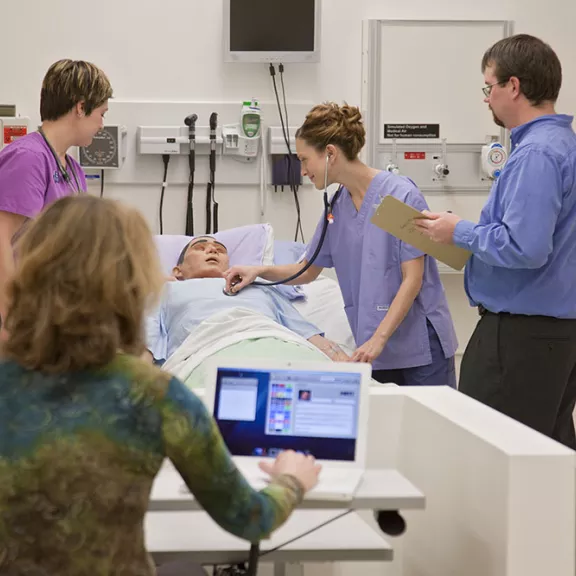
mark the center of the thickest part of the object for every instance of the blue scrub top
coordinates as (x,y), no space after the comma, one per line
(368,261)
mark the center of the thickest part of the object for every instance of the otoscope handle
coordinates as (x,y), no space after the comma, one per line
(213,123)
(192,165)
(190,121)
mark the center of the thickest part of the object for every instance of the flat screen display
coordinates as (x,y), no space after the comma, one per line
(262,413)
(272,25)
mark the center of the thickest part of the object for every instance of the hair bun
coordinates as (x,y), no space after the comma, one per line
(329,123)
(351,114)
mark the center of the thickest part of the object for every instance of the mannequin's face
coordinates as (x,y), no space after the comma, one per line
(204,258)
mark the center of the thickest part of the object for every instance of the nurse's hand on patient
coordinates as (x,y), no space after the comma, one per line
(299,466)
(238,277)
(370,350)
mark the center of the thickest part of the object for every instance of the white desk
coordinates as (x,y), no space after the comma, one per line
(177,529)
(379,490)
(192,536)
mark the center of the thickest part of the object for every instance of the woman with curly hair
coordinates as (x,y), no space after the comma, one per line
(85,424)
(393,296)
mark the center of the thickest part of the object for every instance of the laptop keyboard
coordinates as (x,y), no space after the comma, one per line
(331,478)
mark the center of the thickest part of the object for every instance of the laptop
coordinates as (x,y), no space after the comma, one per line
(320,408)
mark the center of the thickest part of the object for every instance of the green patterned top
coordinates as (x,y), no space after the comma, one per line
(78,456)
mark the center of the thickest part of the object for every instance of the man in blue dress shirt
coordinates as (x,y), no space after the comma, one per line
(521,359)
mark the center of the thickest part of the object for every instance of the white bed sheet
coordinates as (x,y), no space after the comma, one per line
(324,307)
(323,304)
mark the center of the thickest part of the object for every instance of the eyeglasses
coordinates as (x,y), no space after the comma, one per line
(488,89)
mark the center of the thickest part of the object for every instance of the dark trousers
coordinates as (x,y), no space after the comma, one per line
(525,367)
(440,372)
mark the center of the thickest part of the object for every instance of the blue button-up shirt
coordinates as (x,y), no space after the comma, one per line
(524,246)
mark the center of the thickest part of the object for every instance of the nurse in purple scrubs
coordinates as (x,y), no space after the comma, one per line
(392,292)
(36,170)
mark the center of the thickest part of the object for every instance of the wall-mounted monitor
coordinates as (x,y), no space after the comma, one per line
(272,30)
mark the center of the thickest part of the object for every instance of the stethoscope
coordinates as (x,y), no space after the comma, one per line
(328,219)
(63,171)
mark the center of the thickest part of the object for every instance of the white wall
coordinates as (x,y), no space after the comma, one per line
(172,51)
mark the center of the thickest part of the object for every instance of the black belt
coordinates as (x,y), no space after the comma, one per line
(483,311)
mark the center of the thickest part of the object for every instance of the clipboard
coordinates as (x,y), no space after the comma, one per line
(397,218)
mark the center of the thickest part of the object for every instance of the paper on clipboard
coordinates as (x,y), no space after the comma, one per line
(397,219)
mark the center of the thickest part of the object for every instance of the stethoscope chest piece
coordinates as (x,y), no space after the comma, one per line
(236,281)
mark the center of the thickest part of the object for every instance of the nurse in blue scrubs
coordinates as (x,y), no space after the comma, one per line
(393,296)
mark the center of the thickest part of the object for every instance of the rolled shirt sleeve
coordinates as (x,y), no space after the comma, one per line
(22,182)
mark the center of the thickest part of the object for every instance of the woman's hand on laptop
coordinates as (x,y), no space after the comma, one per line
(302,468)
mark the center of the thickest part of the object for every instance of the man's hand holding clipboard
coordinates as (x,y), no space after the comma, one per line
(429,232)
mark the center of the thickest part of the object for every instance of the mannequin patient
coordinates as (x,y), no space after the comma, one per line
(197,293)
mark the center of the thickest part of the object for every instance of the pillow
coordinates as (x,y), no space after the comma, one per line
(288,252)
(324,307)
(250,245)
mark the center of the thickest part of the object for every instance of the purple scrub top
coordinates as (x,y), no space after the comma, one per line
(30,179)
(368,261)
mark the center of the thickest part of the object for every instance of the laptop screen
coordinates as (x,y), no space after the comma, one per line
(263,412)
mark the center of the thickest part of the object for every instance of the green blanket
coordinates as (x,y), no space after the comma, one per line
(268,348)
(263,348)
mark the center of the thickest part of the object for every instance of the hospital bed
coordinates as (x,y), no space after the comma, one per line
(320,302)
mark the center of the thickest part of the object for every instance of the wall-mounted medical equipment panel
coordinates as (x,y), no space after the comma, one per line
(430,122)
(179,128)
(108,149)
(12,126)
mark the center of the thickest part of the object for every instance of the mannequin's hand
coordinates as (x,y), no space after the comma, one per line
(331,349)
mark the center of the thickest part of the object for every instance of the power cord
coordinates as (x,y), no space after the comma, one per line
(296,187)
(250,568)
(307,533)
(166,160)
(102,183)
(293,186)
